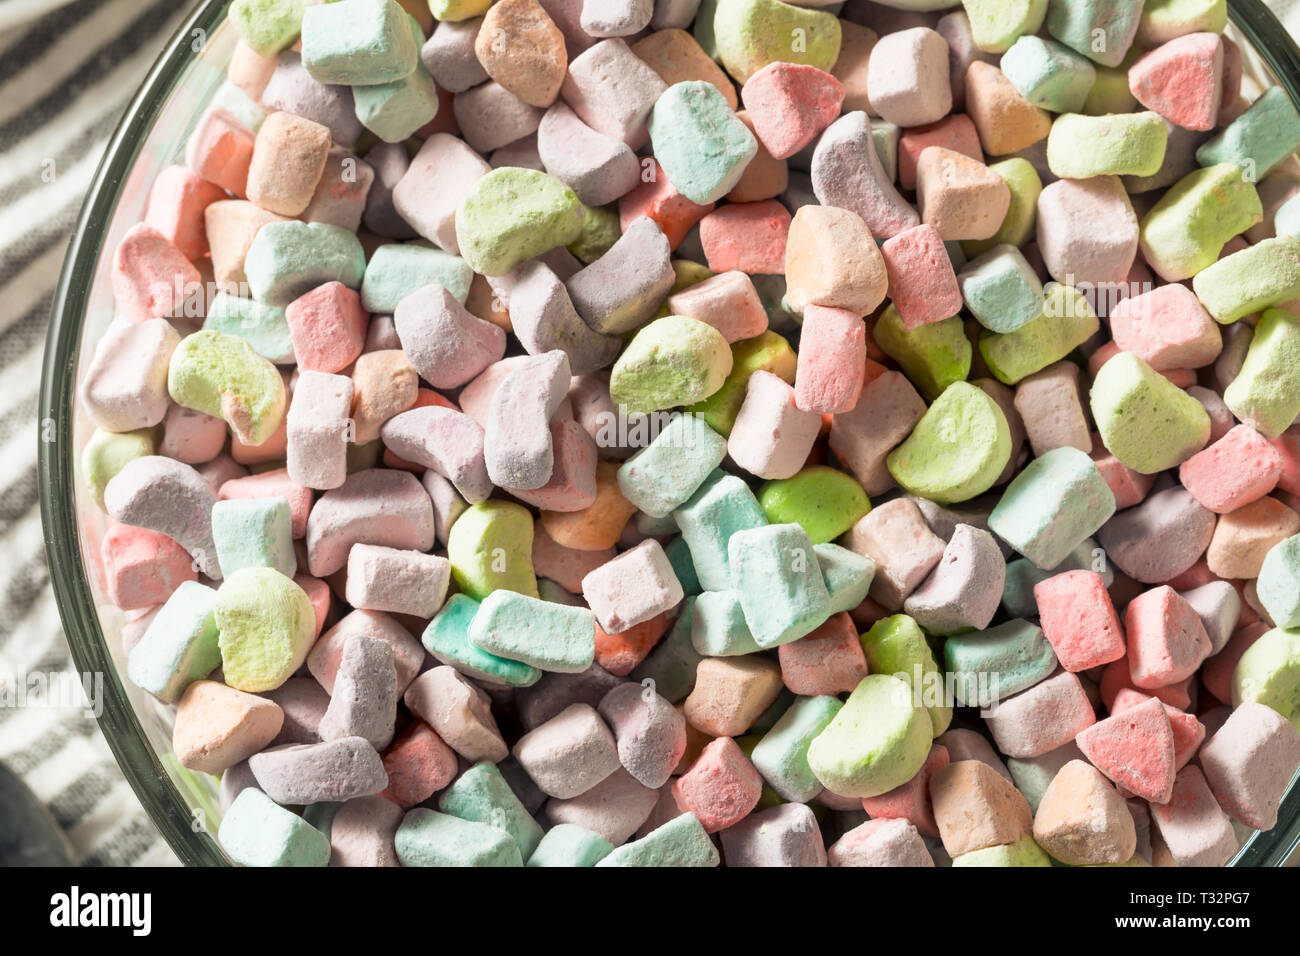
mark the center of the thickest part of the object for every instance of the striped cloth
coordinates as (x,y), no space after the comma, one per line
(70,67)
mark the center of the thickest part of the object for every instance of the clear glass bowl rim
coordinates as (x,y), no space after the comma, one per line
(164,803)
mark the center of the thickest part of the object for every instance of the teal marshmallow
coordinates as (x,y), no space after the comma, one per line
(1001,289)
(1023,576)
(447,639)
(397,269)
(394,111)
(662,476)
(321,816)
(682,841)
(1049,74)
(718,627)
(1058,500)
(678,553)
(670,667)
(782,755)
(1278,584)
(267,26)
(1266,392)
(254,533)
(721,507)
(481,795)
(287,259)
(1251,280)
(774,570)
(512,215)
(699,142)
(358,42)
(179,646)
(846,574)
(885,137)
(262,326)
(1259,139)
(256,831)
(997,662)
(569,845)
(550,637)
(428,838)
(1102,30)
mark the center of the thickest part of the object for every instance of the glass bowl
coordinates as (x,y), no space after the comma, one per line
(152,133)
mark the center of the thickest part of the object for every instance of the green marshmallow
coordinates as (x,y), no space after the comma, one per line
(997,24)
(267,626)
(774,571)
(1001,289)
(670,362)
(1145,420)
(697,139)
(1022,215)
(256,831)
(221,375)
(600,230)
(824,501)
(885,137)
(481,795)
(512,215)
(932,356)
(1101,30)
(878,740)
(957,450)
(896,645)
(1266,392)
(1057,501)
(264,327)
(1122,144)
(663,475)
(179,646)
(781,756)
(1067,321)
(1259,276)
(1024,852)
(1278,584)
(397,269)
(491,548)
(767,352)
(457,10)
(723,506)
(718,627)
(1165,20)
(670,667)
(254,533)
(267,26)
(1269,673)
(846,574)
(750,34)
(567,844)
(447,639)
(1186,229)
(550,637)
(428,838)
(394,111)
(107,453)
(288,259)
(997,662)
(682,841)
(358,42)
(1259,139)
(1048,74)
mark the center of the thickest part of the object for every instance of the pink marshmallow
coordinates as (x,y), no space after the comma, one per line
(633,587)
(772,435)
(832,361)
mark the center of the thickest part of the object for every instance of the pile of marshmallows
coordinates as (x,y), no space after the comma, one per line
(616,433)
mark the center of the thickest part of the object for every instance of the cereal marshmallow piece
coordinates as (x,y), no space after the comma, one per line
(1102,30)
(666,473)
(832,360)
(964,589)
(750,34)
(1021,218)
(682,841)
(490,548)
(1076,247)
(831,261)
(287,259)
(317,427)
(255,831)
(569,845)
(1037,720)
(253,533)
(1182,80)
(490,116)
(632,588)
(169,497)
(447,639)
(264,327)
(1187,228)
(398,270)
(671,361)
(698,141)
(749,237)
(151,278)
(1259,139)
(447,442)
(1001,289)
(881,843)
(397,581)
(1135,749)
(1014,654)
(649,732)
(550,637)
(364,700)
(785,835)
(997,24)
(178,200)
(522,49)
(447,345)
(125,387)
(375,506)
(1132,144)
(433,186)
(180,645)
(324,659)
(543,317)
(395,111)
(1082,820)
(956,132)
(729,302)
(975,808)
(459,712)
(142,567)
(1146,421)
(933,356)
(517,446)
(772,436)
(1191,824)
(958,448)
(218,726)
(625,287)
(482,795)
(289,158)
(1278,584)
(847,173)
(923,287)
(1249,762)
(905,551)
(267,627)
(781,756)
(720,788)
(511,215)
(1255,278)
(613,91)
(1079,620)
(598,168)
(1167,328)
(722,506)
(358,42)
(961,197)
(775,571)
(768,352)
(568,754)
(731,693)
(1269,673)
(1006,121)
(790,104)
(896,645)
(676,56)
(1160,538)
(822,500)
(1266,391)
(908,77)
(1239,468)
(428,838)
(1049,74)
(877,741)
